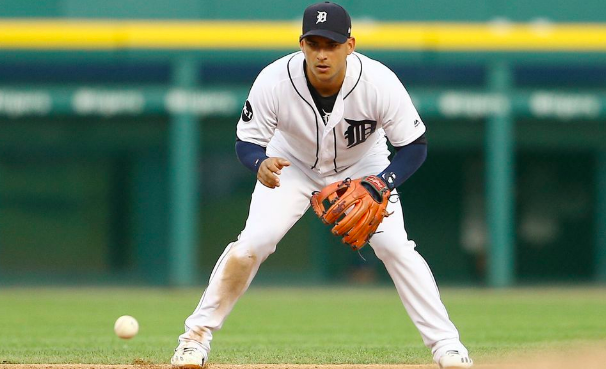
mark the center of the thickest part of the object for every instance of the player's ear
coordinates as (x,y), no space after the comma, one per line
(301,43)
(351,45)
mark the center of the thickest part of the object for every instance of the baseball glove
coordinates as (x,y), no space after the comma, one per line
(356,207)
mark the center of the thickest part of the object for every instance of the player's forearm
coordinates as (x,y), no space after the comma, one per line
(250,154)
(407,160)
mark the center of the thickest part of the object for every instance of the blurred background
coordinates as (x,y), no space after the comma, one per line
(117,132)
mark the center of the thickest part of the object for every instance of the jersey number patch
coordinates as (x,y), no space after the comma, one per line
(358,131)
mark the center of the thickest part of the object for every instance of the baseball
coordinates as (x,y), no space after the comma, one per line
(126,327)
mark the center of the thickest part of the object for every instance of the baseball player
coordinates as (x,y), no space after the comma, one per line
(312,118)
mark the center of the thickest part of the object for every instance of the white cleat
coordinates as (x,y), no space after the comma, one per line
(454,360)
(189,355)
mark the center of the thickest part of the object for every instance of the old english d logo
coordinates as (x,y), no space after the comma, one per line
(358,131)
(321,17)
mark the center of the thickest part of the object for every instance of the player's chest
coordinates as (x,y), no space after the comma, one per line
(349,124)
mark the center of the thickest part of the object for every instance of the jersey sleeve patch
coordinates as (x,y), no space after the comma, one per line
(247,112)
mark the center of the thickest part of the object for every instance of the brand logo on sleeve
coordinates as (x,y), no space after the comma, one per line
(358,131)
(247,112)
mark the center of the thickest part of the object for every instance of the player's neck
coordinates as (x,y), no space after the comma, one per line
(325,87)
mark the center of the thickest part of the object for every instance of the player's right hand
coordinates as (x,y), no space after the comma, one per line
(269,170)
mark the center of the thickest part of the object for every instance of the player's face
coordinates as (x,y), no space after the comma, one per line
(326,61)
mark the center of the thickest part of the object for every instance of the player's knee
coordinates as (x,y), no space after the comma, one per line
(385,250)
(381,251)
(244,257)
(261,246)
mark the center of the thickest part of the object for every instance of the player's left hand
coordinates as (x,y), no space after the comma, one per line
(269,170)
(356,208)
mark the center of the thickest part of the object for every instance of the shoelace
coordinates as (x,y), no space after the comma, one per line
(188,350)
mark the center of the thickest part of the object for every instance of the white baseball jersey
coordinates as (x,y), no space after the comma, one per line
(280,114)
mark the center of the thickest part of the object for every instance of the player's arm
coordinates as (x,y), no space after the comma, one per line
(256,128)
(254,158)
(404,129)
(250,155)
(405,162)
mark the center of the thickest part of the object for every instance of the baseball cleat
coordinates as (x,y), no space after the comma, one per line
(454,360)
(189,355)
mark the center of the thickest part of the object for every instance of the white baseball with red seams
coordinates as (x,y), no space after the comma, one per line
(371,107)
(126,327)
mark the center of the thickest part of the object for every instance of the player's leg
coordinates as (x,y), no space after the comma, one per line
(415,284)
(272,213)
(410,273)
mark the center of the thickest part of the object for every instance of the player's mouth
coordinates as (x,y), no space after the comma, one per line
(322,68)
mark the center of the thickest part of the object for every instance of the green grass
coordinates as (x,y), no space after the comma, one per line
(299,325)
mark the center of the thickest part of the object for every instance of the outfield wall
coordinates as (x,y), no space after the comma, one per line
(111,133)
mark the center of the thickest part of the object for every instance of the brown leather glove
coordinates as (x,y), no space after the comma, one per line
(356,207)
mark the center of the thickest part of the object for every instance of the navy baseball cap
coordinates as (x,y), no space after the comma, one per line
(328,20)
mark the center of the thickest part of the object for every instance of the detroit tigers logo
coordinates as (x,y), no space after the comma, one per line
(247,112)
(358,131)
(321,17)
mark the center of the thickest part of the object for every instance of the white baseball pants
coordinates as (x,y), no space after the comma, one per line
(274,211)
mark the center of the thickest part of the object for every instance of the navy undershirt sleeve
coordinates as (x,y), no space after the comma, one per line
(405,162)
(250,155)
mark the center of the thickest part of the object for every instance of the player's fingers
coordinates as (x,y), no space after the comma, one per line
(274,165)
(272,183)
(281,163)
(263,180)
(269,170)
(265,168)
(266,184)
(277,163)
(267,178)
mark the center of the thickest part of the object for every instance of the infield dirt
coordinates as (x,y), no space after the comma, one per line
(588,358)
